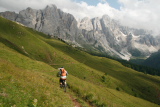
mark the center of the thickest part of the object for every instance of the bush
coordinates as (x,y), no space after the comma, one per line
(102,105)
(103,79)
(95,102)
(88,97)
(118,89)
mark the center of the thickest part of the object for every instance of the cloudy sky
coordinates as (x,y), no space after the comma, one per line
(133,13)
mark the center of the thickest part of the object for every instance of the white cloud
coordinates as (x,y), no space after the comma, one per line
(134,13)
(82,10)
(79,10)
(141,13)
(17,5)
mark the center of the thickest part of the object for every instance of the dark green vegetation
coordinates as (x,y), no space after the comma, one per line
(149,66)
(142,67)
(153,60)
(28,68)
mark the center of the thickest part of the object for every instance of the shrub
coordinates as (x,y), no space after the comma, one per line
(102,105)
(88,97)
(103,79)
(95,102)
(118,89)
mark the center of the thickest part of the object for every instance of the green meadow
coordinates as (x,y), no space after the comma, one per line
(29,63)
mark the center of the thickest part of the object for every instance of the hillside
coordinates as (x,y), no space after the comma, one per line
(153,60)
(28,68)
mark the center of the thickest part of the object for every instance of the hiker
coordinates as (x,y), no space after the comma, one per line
(63,75)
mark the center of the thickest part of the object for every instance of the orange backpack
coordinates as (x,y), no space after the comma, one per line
(63,72)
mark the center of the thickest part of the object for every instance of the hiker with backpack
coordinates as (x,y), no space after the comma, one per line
(63,75)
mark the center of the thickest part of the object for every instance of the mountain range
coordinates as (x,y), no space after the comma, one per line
(100,35)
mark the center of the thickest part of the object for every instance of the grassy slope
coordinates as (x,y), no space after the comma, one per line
(23,80)
(118,76)
(30,79)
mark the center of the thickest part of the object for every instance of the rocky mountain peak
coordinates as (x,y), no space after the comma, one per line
(86,24)
(51,6)
(107,18)
(9,15)
(96,24)
(50,20)
(102,34)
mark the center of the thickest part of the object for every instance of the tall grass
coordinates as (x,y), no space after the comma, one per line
(105,97)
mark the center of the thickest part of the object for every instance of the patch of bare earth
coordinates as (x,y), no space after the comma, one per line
(76,103)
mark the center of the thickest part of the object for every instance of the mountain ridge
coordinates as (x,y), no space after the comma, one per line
(99,35)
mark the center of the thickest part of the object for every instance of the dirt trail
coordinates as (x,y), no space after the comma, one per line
(76,103)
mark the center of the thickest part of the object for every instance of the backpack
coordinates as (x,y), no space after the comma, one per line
(63,72)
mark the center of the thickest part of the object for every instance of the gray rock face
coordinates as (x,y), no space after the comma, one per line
(117,40)
(51,21)
(100,34)
(9,15)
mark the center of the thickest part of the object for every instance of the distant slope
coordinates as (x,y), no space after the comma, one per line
(153,60)
(26,77)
